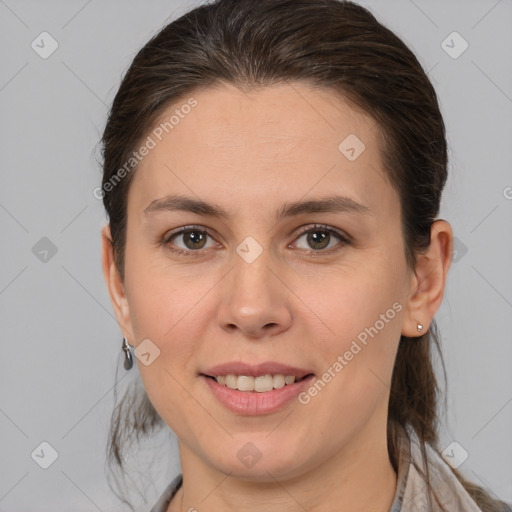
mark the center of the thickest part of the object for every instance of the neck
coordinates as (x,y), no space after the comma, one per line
(358,478)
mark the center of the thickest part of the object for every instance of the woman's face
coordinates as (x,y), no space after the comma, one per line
(282,277)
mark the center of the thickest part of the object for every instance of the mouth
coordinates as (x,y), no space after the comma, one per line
(259,383)
(259,394)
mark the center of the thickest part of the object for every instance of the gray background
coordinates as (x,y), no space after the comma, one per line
(60,340)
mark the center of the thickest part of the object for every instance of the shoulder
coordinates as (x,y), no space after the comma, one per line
(431,483)
(163,502)
(434,481)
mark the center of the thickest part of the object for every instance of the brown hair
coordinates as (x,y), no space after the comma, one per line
(327,43)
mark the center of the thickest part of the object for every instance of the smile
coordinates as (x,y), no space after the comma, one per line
(252,402)
(258,384)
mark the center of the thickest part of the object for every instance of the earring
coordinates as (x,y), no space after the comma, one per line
(128,359)
(420,327)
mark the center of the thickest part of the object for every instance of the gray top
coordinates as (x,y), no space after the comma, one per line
(411,491)
(163,503)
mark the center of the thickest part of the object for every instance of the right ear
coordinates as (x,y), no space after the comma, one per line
(115,285)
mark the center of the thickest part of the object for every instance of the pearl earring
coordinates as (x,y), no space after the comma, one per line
(420,327)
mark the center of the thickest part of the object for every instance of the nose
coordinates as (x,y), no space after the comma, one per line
(254,300)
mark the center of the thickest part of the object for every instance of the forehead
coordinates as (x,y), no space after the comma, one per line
(288,138)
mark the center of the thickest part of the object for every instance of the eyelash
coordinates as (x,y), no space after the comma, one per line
(344,239)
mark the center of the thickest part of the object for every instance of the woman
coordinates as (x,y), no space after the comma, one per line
(272,176)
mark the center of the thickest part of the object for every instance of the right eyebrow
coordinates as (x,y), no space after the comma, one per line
(182,203)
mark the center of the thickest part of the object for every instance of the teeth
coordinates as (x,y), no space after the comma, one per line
(263,383)
(259,384)
(289,379)
(231,381)
(279,381)
(245,383)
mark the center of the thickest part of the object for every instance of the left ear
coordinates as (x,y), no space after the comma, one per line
(428,280)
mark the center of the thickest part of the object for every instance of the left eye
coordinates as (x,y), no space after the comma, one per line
(193,239)
(320,238)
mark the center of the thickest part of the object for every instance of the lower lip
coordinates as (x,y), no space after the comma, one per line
(254,403)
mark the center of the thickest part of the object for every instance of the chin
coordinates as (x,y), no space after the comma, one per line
(259,461)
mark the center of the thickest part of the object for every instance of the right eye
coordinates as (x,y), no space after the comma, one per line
(193,239)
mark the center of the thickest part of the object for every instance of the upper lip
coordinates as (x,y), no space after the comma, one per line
(254,370)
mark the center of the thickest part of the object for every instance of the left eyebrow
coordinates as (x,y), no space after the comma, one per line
(330,204)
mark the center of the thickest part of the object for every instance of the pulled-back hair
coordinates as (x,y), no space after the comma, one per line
(333,44)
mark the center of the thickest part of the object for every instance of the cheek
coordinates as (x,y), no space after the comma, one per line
(363,311)
(365,345)
(353,299)
(163,305)
(161,296)
(355,378)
